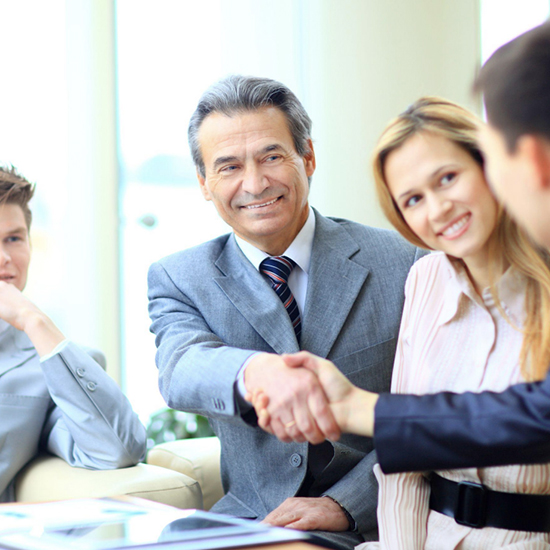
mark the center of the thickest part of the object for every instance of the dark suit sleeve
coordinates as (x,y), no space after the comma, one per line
(446,430)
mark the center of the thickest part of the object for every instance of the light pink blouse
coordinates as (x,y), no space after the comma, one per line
(453,339)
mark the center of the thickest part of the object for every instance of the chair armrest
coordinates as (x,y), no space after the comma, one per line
(197,458)
(50,478)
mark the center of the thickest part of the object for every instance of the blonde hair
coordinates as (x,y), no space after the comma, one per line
(508,243)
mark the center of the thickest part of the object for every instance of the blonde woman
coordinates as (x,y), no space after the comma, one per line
(476,318)
(481,302)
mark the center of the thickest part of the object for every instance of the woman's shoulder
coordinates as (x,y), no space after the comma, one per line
(435,266)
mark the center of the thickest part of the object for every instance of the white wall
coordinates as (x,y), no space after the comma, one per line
(92,185)
(362,62)
(367,60)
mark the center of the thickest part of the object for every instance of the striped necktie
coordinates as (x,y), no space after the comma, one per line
(278,269)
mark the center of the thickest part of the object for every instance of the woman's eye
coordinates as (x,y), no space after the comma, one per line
(411,201)
(448,178)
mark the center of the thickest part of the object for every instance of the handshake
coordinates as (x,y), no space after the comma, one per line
(302,397)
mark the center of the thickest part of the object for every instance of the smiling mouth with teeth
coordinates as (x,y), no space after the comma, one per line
(456,226)
(262,205)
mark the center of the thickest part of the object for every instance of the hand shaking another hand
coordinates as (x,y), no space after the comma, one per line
(351,408)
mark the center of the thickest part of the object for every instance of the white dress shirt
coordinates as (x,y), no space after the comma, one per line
(300,252)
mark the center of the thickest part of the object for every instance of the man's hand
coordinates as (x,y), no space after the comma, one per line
(309,514)
(352,407)
(14,307)
(294,403)
(23,315)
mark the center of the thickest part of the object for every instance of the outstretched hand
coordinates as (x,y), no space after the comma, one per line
(352,407)
(290,402)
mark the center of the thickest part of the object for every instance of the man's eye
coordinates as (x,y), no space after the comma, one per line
(14,239)
(272,158)
(228,169)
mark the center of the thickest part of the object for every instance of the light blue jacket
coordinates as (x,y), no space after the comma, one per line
(211,309)
(67,405)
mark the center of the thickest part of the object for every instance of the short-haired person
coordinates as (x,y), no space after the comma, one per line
(53,395)
(448,430)
(224,310)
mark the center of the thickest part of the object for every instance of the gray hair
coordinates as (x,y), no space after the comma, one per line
(238,94)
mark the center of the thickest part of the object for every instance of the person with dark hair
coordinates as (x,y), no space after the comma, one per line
(286,278)
(53,395)
(449,430)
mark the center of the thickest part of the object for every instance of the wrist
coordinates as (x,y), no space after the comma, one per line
(352,524)
(41,331)
(253,364)
(31,320)
(361,413)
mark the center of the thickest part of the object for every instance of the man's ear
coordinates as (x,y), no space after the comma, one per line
(204,188)
(309,159)
(535,151)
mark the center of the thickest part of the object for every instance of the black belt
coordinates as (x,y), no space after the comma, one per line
(475,505)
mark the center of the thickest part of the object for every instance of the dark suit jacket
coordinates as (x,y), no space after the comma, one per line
(211,309)
(446,430)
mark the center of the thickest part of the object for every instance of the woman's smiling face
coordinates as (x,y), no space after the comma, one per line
(443,196)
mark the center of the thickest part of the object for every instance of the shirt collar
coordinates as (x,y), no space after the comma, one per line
(511,289)
(299,250)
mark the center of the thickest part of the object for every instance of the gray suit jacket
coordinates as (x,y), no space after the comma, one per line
(67,405)
(211,309)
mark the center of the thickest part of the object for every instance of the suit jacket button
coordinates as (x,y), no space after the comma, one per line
(91,386)
(80,372)
(296,460)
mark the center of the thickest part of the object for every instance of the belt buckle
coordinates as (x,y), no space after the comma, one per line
(471,504)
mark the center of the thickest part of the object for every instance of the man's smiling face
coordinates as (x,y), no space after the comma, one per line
(254,176)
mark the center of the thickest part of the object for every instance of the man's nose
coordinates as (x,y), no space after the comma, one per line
(254,181)
(4,256)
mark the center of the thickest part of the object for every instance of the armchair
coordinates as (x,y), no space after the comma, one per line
(48,478)
(197,458)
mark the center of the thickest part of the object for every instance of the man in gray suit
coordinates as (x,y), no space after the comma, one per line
(285,279)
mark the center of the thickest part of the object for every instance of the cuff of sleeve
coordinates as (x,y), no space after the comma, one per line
(349,517)
(244,405)
(60,347)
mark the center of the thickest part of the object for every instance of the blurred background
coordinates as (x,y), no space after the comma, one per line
(94,107)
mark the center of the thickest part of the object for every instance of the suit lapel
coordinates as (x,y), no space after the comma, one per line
(333,285)
(254,298)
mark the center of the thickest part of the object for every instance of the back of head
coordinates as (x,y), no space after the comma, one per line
(431,115)
(239,94)
(15,189)
(515,83)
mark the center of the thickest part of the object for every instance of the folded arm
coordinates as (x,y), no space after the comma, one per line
(93,424)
